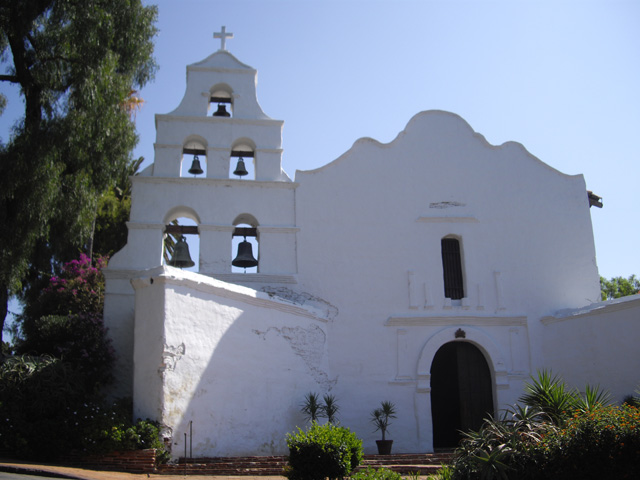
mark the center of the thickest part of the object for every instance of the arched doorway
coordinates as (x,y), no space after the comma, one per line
(461,392)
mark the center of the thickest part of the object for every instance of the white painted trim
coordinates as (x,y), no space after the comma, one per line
(166,117)
(446,219)
(166,275)
(224,182)
(594,310)
(444,321)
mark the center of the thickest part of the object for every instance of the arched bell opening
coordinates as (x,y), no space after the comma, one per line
(194,160)
(182,244)
(245,248)
(221,102)
(242,163)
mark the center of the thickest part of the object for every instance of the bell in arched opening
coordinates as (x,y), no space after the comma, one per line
(222,111)
(245,258)
(181,257)
(240,170)
(196,169)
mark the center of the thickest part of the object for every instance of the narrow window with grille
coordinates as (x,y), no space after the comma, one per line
(452,269)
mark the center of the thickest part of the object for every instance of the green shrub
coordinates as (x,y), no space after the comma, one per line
(46,414)
(559,435)
(38,396)
(322,451)
(604,443)
(445,473)
(380,474)
(105,430)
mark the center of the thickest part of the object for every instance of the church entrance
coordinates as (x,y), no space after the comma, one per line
(461,392)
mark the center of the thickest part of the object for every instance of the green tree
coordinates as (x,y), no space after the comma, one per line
(77,63)
(110,229)
(618,287)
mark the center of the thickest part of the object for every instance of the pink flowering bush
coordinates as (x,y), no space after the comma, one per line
(64,359)
(78,290)
(66,321)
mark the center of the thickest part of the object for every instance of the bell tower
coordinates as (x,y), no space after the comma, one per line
(217,168)
(218,163)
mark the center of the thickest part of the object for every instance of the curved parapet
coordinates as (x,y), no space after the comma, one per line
(438,127)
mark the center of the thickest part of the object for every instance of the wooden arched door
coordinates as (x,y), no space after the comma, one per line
(461,392)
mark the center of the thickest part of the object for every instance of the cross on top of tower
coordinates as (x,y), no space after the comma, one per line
(223,35)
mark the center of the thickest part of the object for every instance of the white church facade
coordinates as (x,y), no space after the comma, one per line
(441,290)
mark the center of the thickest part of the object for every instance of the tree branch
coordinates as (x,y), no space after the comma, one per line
(9,78)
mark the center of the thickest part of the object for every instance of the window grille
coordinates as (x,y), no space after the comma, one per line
(452,269)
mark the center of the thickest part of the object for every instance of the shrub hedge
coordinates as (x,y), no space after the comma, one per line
(322,451)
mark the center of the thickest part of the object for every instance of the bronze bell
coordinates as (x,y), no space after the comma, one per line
(245,258)
(240,170)
(195,169)
(222,111)
(181,257)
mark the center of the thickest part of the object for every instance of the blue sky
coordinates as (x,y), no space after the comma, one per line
(561,77)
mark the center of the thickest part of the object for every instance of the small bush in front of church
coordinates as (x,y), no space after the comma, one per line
(376,474)
(322,451)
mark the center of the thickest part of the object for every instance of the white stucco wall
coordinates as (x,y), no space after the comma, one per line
(371,224)
(596,345)
(227,358)
(349,298)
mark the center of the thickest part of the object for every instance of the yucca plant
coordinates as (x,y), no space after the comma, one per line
(330,408)
(381,417)
(311,407)
(593,398)
(549,394)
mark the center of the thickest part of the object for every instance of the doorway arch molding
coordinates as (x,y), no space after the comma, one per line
(486,344)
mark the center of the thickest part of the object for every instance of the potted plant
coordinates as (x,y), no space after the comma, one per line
(380,418)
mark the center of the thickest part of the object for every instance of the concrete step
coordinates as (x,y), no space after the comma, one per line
(422,464)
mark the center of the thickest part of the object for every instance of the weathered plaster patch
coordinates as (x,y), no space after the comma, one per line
(308,344)
(166,433)
(170,357)
(303,298)
(442,205)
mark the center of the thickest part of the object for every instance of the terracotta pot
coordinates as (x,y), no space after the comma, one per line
(384,447)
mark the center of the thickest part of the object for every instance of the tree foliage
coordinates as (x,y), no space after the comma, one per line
(76,63)
(51,388)
(617,287)
(65,322)
(110,230)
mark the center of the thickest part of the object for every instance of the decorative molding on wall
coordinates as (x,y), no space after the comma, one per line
(213,149)
(444,321)
(227,121)
(499,289)
(446,219)
(223,182)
